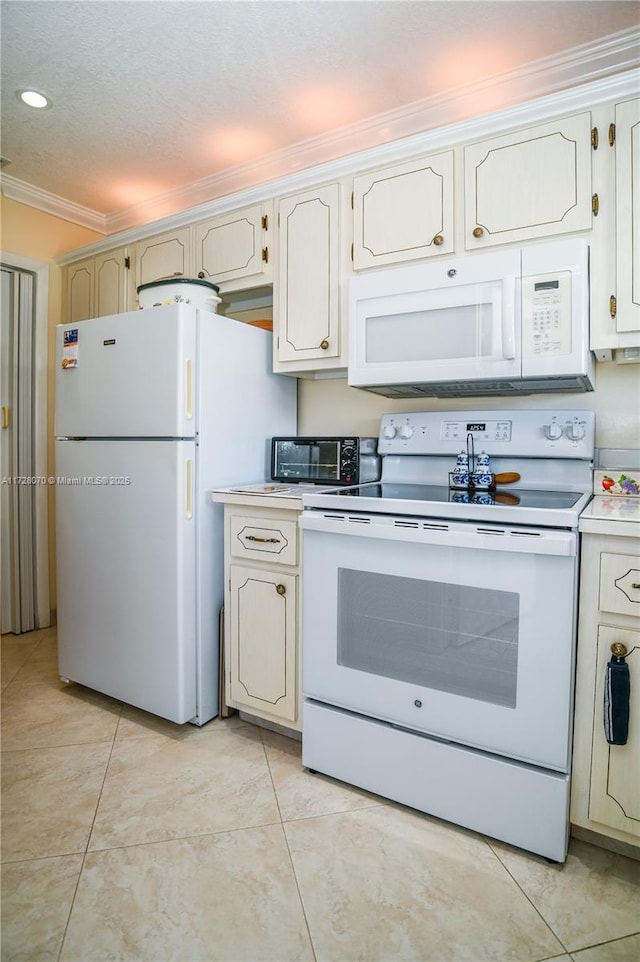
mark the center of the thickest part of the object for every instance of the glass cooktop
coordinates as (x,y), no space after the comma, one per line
(441,494)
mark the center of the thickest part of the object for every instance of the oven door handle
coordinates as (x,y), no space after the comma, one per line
(538,541)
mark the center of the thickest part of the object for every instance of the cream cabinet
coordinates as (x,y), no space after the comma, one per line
(164,255)
(233,250)
(80,293)
(403,212)
(615,240)
(626,307)
(98,286)
(605,796)
(261,644)
(529,184)
(307,290)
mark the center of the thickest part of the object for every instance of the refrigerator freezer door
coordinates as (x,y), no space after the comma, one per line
(127,375)
(126,546)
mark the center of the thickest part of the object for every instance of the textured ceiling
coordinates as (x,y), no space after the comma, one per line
(150,96)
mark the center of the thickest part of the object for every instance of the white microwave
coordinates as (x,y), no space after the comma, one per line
(508,322)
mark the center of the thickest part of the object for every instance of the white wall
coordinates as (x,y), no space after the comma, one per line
(331,407)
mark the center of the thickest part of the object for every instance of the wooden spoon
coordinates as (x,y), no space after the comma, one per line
(507,477)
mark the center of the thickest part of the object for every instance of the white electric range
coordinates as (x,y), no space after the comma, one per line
(439,622)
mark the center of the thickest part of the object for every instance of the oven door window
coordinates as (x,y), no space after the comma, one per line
(449,637)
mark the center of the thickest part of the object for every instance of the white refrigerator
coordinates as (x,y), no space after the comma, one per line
(154,408)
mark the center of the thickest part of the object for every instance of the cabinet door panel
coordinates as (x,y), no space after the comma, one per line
(615,773)
(308,299)
(403,212)
(166,255)
(231,246)
(110,283)
(534,183)
(263,669)
(628,215)
(80,279)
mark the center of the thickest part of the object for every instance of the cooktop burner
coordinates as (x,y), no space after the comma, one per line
(441,494)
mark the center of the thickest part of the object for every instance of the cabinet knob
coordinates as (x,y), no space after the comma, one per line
(438,240)
(478,231)
(201,274)
(618,649)
(324,344)
(282,591)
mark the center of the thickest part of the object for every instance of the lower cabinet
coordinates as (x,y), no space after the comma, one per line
(262,659)
(605,796)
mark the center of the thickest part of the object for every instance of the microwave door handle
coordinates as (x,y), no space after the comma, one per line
(509,318)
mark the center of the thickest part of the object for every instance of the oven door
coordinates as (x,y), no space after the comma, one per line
(461,631)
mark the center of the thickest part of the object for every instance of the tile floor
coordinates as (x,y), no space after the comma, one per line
(125,837)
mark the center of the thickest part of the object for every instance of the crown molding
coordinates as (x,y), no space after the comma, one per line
(576,79)
(586,64)
(15,189)
(587,97)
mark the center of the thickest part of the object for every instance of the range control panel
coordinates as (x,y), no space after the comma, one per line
(535,434)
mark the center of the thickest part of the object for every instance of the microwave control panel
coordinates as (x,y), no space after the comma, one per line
(546,314)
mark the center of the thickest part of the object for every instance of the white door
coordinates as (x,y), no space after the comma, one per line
(532,183)
(262,631)
(18,493)
(233,245)
(80,290)
(128,375)
(165,255)
(628,215)
(418,628)
(403,212)
(126,571)
(307,309)
(111,276)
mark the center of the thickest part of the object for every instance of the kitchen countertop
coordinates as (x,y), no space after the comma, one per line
(265,494)
(611,515)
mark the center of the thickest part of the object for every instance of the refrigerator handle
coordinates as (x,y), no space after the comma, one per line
(188,507)
(188,402)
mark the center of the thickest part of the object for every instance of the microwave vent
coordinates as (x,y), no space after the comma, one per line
(450,389)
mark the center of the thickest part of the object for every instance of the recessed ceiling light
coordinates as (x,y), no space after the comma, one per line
(33,98)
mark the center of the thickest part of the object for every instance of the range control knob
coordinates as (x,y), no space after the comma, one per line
(405,431)
(575,431)
(388,432)
(553,431)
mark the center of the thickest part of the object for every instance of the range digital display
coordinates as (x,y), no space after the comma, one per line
(477,426)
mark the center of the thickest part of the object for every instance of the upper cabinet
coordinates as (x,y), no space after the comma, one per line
(98,286)
(80,290)
(403,212)
(234,247)
(626,307)
(306,308)
(615,240)
(164,255)
(529,184)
